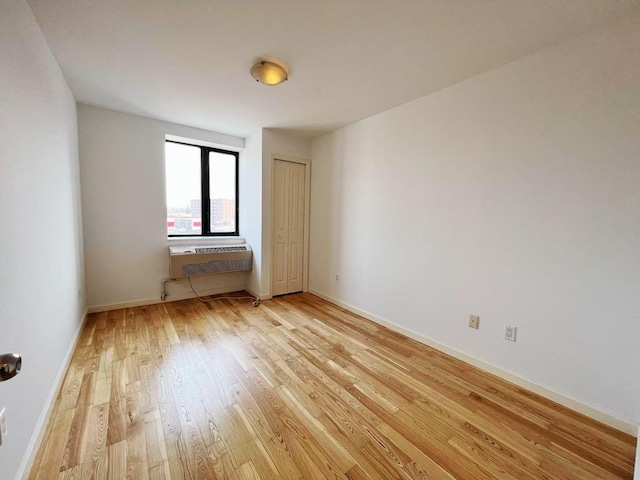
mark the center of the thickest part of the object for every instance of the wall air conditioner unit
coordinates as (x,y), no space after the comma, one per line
(205,260)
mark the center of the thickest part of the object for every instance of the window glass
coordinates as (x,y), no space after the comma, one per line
(184,206)
(222,185)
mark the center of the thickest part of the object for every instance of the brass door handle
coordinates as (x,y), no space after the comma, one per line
(10,365)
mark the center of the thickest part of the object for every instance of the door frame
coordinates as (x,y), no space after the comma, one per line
(307,210)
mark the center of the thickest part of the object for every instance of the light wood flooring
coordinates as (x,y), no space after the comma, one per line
(299,388)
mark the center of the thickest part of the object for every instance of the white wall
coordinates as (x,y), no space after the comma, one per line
(41,270)
(124,208)
(275,143)
(515,196)
(251,206)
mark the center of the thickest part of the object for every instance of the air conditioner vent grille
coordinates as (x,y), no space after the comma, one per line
(191,269)
(221,249)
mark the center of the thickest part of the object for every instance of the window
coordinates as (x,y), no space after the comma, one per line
(202,190)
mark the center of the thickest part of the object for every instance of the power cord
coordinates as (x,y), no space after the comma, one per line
(256,301)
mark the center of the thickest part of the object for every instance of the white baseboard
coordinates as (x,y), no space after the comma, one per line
(170,298)
(261,296)
(610,420)
(29,456)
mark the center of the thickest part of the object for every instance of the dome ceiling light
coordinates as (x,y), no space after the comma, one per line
(269,73)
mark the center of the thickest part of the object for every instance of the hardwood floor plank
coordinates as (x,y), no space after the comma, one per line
(117,460)
(296,389)
(53,452)
(246,471)
(79,472)
(73,449)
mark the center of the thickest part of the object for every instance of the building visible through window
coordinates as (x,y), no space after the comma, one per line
(194,173)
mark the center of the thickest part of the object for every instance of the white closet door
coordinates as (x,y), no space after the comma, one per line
(296,226)
(288,227)
(279,264)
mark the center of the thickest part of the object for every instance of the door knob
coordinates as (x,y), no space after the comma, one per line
(10,365)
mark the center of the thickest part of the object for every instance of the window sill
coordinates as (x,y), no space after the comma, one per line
(198,240)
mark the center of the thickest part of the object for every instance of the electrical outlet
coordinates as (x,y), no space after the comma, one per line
(510,333)
(474,321)
(337,278)
(3,425)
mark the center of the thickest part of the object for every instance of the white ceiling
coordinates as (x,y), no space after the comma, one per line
(188,61)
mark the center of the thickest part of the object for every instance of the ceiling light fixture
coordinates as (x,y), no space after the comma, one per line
(269,73)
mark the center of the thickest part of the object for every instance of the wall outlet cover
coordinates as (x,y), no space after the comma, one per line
(474,321)
(510,333)
(3,425)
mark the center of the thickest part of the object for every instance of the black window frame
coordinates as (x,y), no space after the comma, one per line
(205,206)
